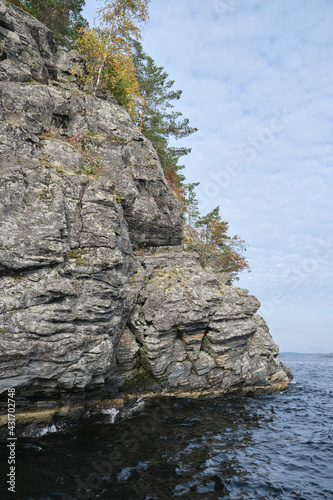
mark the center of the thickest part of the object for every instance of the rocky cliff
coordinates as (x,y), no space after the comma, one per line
(99,296)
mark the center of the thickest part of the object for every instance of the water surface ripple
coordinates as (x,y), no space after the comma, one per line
(254,447)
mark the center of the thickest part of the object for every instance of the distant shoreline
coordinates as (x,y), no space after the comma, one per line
(306,354)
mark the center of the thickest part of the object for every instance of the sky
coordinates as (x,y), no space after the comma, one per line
(257,81)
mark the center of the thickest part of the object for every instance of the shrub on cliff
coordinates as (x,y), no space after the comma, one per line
(217,245)
(208,236)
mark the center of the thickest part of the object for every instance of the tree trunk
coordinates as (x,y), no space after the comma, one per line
(99,74)
(144,111)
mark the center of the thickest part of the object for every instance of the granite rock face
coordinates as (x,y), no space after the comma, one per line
(195,333)
(27,47)
(66,130)
(98,296)
(65,260)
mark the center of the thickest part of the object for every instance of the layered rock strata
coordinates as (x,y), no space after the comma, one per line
(98,296)
(194,333)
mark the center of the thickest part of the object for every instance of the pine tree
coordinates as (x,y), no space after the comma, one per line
(217,244)
(191,204)
(209,224)
(156,117)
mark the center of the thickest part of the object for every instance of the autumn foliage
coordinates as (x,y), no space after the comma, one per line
(107,50)
(216,247)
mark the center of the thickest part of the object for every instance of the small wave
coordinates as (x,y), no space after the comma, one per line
(112,412)
(51,429)
(126,472)
(32,446)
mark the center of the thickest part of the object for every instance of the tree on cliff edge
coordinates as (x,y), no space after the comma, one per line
(107,49)
(218,245)
(156,116)
(191,204)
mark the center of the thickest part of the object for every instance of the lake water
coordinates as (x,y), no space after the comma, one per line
(252,447)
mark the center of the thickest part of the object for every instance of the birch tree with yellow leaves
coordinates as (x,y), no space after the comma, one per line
(107,49)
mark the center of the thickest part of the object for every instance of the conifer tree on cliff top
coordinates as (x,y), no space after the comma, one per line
(156,117)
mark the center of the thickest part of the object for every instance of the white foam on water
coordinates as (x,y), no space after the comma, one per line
(46,430)
(112,412)
(124,474)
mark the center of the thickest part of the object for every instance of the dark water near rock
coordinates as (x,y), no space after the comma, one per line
(254,447)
